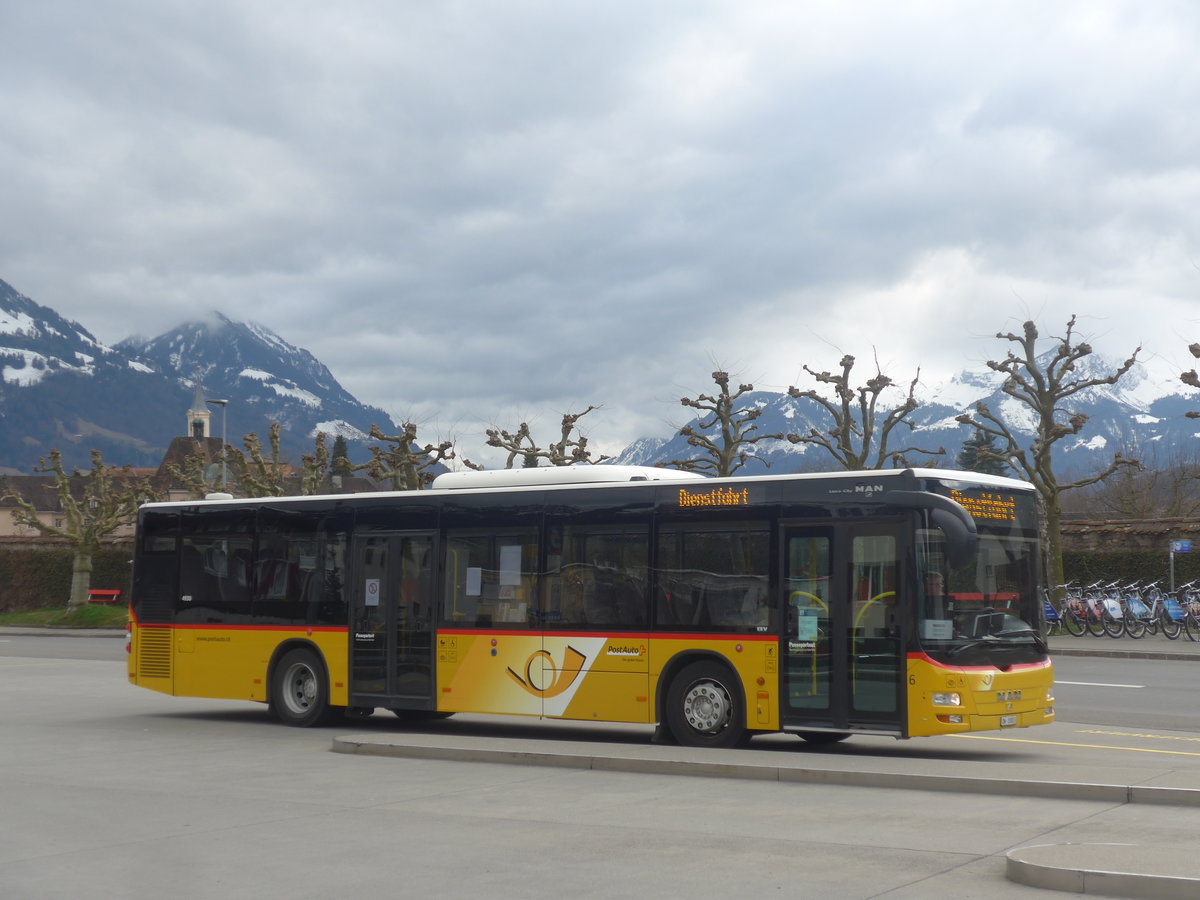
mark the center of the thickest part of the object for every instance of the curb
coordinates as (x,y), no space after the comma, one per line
(1110,870)
(499,750)
(57,631)
(1121,653)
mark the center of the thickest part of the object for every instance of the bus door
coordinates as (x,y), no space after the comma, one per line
(842,642)
(391,620)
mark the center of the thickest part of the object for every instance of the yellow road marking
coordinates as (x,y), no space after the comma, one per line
(980,737)
(1138,734)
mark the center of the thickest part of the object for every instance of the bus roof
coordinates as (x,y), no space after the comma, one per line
(600,476)
(546,475)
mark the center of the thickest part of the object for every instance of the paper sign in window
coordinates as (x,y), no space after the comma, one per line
(474,581)
(808,624)
(510,565)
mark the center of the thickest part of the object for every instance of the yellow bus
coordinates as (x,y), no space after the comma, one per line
(895,602)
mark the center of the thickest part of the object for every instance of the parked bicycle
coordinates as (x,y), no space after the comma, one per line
(1069,615)
(1166,612)
(1188,598)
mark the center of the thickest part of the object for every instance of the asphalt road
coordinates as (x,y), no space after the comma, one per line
(116,793)
(1137,693)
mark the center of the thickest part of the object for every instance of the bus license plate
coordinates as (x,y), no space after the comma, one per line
(1006,721)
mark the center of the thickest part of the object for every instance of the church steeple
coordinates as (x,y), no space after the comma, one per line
(198,416)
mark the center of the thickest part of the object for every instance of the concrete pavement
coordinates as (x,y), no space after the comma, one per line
(1119,868)
(1101,869)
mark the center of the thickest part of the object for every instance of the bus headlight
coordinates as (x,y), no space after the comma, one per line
(947,700)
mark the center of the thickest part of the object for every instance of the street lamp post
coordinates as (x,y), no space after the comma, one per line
(224,404)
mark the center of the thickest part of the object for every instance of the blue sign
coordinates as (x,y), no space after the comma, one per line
(1181,546)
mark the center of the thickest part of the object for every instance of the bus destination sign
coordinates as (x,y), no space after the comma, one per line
(723,498)
(987,506)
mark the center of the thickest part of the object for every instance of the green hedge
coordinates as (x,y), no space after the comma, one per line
(35,579)
(1128,566)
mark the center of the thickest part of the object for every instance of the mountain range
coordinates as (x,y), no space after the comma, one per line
(61,388)
(1142,416)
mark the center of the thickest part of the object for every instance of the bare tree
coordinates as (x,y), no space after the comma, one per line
(570,448)
(258,475)
(1163,486)
(730,448)
(400,461)
(192,476)
(93,504)
(1191,379)
(314,467)
(857,439)
(1043,384)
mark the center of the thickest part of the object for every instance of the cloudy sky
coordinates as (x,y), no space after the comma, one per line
(479,212)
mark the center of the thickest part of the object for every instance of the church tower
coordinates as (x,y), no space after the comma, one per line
(198,416)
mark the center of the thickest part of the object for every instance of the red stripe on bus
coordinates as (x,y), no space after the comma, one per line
(925,658)
(215,627)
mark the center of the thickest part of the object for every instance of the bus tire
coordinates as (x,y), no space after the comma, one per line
(300,690)
(704,707)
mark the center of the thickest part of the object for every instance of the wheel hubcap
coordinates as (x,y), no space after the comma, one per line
(706,707)
(303,689)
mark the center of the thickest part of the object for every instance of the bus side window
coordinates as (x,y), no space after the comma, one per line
(490,579)
(597,576)
(714,576)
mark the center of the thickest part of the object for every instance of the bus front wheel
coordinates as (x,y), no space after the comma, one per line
(704,707)
(300,690)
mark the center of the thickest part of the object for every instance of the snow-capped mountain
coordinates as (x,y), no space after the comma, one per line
(61,388)
(1142,416)
(267,378)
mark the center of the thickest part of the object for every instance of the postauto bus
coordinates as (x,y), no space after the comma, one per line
(894,602)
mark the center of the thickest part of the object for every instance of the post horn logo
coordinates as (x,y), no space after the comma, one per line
(543,678)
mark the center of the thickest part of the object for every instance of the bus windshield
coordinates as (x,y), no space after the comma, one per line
(987,611)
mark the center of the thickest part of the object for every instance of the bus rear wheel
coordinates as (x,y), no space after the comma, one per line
(300,690)
(704,707)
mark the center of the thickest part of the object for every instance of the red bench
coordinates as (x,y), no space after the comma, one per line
(96,595)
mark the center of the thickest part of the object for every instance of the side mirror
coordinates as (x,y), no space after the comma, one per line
(962,539)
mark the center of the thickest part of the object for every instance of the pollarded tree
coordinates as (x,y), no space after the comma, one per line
(92,505)
(401,461)
(1191,379)
(192,476)
(1045,383)
(570,448)
(314,467)
(256,475)
(857,438)
(730,447)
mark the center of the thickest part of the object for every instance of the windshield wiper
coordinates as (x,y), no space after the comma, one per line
(996,639)
(1026,631)
(974,642)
